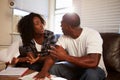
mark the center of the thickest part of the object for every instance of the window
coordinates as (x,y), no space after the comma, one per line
(20,12)
(17,15)
(61,7)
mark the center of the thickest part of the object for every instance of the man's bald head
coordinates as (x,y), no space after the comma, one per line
(72,19)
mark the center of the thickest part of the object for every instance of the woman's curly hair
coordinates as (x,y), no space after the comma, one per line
(26,27)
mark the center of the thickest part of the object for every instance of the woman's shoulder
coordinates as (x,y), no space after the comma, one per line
(48,31)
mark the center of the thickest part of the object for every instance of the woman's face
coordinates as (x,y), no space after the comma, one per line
(38,26)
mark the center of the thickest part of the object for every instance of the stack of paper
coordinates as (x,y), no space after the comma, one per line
(13,71)
(30,77)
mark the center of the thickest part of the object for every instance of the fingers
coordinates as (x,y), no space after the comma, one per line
(52,50)
(31,56)
(46,78)
(52,47)
(14,60)
(39,79)
(57,47)
(42,75)
(32,60)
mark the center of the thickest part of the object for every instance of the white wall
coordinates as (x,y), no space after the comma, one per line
(5,24)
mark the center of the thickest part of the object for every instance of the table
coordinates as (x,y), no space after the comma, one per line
(7,77)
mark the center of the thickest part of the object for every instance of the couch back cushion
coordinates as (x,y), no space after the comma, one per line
(111,50)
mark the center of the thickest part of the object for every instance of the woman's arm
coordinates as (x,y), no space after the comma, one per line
(16,60)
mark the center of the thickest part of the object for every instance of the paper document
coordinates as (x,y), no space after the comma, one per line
(13,71)
(30,77)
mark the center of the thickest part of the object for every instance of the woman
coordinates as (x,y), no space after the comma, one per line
(36,42)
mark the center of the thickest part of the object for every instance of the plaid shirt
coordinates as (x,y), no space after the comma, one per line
(49,39)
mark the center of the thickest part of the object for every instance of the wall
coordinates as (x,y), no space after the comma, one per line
(5,24)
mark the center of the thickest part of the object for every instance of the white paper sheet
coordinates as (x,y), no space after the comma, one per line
(30,77)
(13,71)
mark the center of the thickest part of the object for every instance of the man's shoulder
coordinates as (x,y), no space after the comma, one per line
(90,30)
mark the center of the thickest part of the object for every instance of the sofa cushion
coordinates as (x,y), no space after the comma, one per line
(113,75)
(111,51)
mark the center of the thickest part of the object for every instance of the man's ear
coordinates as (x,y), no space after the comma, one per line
(67,25)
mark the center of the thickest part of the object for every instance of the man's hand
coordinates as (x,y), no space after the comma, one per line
(58,52)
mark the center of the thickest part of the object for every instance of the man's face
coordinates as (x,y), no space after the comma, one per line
(64,27)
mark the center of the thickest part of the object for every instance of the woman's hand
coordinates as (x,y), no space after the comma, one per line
(32,59)
(14,60)
(41,75)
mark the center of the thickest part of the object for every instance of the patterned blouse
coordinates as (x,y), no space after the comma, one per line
(49,39)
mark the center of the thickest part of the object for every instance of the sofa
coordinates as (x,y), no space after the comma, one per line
(111,54)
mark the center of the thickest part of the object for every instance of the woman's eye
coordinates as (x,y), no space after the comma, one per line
(37,23)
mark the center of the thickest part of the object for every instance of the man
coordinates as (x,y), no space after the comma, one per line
(81,48)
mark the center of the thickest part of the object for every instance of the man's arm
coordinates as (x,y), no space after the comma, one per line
(88,61)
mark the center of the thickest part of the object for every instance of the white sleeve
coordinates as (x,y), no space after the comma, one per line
(94,43)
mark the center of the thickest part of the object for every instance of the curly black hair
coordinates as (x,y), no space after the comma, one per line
(26,27)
